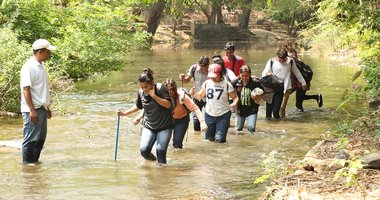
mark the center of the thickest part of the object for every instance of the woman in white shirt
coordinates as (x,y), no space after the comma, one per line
(217,110)
(281,66)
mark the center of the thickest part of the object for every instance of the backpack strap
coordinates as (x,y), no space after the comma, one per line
(271,65)
(192,70)
(233,63)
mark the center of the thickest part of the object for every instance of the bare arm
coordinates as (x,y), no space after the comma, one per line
(48,113)
(131,110)
(185,78)
(235,98)
(199,95)
(29,102)
(139,117)
(189,103)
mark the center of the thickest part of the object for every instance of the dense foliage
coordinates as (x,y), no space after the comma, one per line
(353,25)
(297,14)
(92,38)
(12,56)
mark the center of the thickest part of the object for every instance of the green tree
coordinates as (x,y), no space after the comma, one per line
(32,19)
(92,38)
(294,13)
(13,55)
(96,39)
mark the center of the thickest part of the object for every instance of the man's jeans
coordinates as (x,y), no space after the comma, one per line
(34,136)
(148,137)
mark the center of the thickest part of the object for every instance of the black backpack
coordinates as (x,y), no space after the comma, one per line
(272,82)
(305,70)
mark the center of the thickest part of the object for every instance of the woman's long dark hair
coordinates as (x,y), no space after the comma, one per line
(170,82)
(146,76)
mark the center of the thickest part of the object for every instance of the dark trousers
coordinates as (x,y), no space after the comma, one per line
(196,123)
(301,96)
(179,131)
(34,136)
(275,106)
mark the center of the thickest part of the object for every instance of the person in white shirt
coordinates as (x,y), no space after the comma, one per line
(35,101)
(197,72)
(217,111)
(281,66)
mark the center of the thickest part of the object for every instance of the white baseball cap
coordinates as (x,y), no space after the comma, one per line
(43,44)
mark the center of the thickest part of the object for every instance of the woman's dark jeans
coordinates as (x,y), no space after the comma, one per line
(179,131)
(217,127)
(275,106)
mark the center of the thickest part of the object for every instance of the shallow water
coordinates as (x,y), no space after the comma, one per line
(77,161)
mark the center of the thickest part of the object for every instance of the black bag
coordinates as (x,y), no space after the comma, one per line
(305,70)
(272,82)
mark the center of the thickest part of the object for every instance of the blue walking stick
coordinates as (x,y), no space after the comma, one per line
(117,136)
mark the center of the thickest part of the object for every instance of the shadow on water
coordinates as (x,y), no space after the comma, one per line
(77,161)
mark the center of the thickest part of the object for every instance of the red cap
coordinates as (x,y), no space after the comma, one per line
(214,70)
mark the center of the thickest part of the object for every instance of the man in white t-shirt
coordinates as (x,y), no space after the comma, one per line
(197,72)
(35,101)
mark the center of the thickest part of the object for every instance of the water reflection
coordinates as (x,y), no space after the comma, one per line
(34,182)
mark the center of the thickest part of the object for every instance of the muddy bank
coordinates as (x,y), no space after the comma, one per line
(315,177)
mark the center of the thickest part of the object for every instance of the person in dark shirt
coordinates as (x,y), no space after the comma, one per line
(157,117)
(247,107)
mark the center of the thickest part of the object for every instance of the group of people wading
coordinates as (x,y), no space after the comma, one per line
(223,86)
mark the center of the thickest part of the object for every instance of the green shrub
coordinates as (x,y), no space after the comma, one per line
(96,39)
(32,19)
(13,55)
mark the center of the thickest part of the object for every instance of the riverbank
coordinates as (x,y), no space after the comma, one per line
(316,176)
(166,38)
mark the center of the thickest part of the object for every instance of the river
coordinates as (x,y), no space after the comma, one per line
(77,161)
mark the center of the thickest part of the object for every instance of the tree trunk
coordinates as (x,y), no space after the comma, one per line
(216,14)
(153,18)
(205,11)
(219,19)
(291,24)
(175,26)
(244,18)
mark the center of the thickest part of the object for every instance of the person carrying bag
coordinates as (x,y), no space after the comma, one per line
(280,67)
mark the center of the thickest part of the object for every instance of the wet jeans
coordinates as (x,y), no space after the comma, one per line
(251,122)
(217,127)
(34,136)
(179,131)
(275,106)
(148,137)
